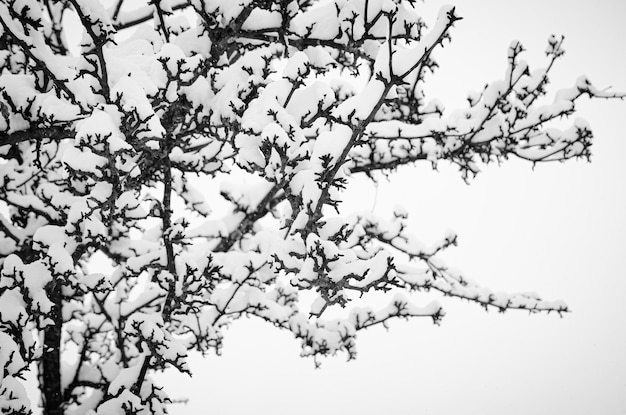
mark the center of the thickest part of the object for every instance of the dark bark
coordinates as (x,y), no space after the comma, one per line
(36,133)
(50,384)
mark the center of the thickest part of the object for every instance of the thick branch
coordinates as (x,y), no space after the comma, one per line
(36,133)
(51,360)
(265,205)
(138,18)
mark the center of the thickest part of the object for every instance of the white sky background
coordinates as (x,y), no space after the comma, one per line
(558,230)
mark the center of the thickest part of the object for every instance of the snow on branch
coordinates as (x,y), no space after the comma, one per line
(182,165)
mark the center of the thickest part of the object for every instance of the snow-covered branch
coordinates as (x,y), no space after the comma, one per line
(202,148)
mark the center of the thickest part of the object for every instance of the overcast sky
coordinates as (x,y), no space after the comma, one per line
(557,230)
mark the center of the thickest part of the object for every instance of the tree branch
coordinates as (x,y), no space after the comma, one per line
(53,133)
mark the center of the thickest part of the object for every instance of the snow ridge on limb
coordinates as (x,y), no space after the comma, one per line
(434,275)
(203,154)
(501,121)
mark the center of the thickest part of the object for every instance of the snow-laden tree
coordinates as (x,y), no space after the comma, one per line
(118,144)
